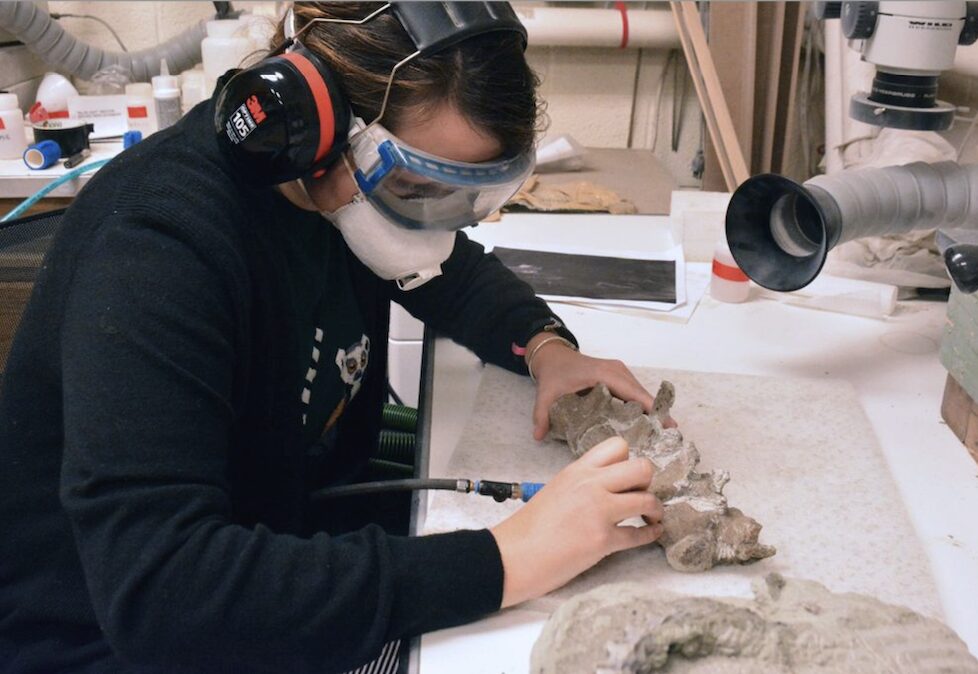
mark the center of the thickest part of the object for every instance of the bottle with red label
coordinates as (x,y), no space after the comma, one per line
(13,142)
(727,282)
(141,108)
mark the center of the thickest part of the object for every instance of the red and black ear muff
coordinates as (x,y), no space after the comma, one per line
(284,118)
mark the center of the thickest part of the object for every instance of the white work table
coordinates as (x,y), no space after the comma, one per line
(892,363)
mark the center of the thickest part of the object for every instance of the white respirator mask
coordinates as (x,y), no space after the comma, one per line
(411,258)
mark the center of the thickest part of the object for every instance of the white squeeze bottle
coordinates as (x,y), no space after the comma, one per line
(12,139)
(192,89)
(141,108)
(224,48)
(166,94)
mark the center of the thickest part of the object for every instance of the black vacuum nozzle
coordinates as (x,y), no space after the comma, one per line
(962,266)
(779,232)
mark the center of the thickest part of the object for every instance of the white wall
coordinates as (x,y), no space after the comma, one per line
(139,24)
(608,98)
(603,97)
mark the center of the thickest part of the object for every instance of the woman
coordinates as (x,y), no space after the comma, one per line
(202,351)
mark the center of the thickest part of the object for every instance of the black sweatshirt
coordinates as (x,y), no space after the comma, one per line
(153,472)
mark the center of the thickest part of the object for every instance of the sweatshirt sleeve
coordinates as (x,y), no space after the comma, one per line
(482,305)
(149,363)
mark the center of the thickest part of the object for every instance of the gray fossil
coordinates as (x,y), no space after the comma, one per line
(789,627)
(700,529)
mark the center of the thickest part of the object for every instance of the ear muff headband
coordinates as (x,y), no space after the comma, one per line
(278,119)
(320,93)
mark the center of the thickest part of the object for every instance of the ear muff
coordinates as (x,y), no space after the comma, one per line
(284,118)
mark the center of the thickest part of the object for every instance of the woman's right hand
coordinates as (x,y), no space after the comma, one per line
(571,524)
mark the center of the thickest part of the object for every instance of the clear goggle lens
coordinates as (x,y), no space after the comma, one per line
(421,191)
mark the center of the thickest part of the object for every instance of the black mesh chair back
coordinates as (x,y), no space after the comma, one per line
(23,243)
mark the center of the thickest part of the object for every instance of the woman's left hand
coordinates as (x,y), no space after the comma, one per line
(560,370)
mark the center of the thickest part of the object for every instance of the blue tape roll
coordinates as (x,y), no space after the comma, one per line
(41,155)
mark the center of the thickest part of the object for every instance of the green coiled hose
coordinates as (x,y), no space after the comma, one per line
(391,468)
(396,446)
(399,418)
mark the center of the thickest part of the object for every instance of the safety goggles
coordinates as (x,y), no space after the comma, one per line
(418,190)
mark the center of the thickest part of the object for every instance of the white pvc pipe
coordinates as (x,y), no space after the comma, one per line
(834,111)
(846,140)
(587,27)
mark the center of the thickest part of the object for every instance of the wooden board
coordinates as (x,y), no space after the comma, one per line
(42,206)
(733,37)
(770,19)
(712,102)
(960,412)
(757,48)
(786,124)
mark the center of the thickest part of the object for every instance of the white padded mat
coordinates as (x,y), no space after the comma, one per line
(803,461)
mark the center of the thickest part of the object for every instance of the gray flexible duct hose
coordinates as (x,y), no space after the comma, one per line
(58,48)
(898,199)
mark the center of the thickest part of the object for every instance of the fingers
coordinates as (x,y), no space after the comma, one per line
(628,475)
(623,384)
(642,504)
(605,453)
(541,416)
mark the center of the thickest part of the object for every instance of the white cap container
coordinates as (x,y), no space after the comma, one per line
(224,48)
(12,139)
(727,282)
(141,108)
(53,94)
(166,95)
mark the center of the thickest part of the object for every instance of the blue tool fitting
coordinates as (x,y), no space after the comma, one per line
(130,138)
(42,155)
(502,491)
(529,489)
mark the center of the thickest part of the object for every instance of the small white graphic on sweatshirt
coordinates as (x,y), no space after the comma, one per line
(311,373)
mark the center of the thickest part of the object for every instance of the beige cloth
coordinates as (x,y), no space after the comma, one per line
(576,197)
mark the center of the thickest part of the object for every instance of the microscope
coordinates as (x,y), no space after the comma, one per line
(780,231)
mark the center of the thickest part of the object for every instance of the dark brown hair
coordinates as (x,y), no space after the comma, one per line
(486,77)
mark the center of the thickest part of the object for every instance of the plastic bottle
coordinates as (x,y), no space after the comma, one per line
(141,108)
(52,98)
(193,89)
(727,282)
(12,139)
(224,48)
(166,94)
